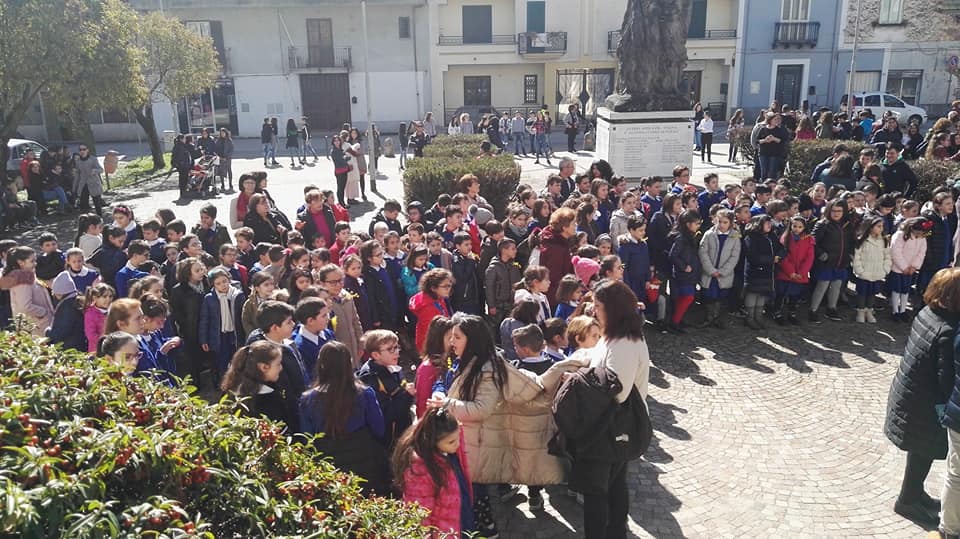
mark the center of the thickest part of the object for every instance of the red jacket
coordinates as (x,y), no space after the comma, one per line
(555,255)
(426,309)
(799,259)
(443,504)
(426,375)
(340,213)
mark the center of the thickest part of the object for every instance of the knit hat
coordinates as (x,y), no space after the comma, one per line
(585,268)
(63,285)
(480,215)
(806,203)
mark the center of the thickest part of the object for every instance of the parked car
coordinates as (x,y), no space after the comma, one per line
(16,148)
(879,102)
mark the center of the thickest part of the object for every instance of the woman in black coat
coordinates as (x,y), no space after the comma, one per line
(185,299)
(920,388)
(657,232)
(265,227)
(760,256)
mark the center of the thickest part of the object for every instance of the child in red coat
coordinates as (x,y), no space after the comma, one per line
(435,354)
(793,271)
(431,469)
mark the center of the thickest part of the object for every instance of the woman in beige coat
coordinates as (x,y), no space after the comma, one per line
(27,297)
(505,414)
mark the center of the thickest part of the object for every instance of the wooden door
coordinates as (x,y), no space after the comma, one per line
(320,43)
(325,101)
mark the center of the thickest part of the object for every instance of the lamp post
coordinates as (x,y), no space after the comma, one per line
(853,60)
(371,141)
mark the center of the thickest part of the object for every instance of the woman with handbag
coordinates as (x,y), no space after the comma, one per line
(598,471)
(341,167)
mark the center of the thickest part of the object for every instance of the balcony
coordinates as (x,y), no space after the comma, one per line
(799,34)
(299,58)
(542,43)
(490,40)
(613,37)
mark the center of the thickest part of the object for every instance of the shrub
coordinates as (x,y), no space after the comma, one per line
(449,158)
(805,155)
(89,452)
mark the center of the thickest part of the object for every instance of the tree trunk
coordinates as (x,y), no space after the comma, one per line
(144,117)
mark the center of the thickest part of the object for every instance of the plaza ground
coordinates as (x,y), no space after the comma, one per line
(777,432)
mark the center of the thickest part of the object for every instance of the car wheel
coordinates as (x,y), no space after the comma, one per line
(917,119)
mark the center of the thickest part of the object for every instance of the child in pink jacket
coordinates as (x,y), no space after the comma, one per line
(908,247)
(431,468)
(96,301)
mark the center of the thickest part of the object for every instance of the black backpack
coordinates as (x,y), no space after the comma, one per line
(592,424)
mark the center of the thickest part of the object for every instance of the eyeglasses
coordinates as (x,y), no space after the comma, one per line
(394,348)
(338,281)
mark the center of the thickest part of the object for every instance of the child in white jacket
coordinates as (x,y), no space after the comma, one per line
(907,251)
(871,264)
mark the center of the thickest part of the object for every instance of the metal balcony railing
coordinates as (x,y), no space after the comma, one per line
(542,43)
(788,34)
(492,40)
(315,57)
(613,37)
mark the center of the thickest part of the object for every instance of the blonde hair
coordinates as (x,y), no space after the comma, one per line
(577,328)
(120,310)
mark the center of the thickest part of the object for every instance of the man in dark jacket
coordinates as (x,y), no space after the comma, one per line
(388,214)
(889,133)
(897,174)
(838,150)
(211,233)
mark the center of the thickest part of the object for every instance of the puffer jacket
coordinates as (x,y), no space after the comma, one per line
(833,244)
(713,259)
(658,238)
(943,231)
(507,434)
(29,298)
(443,503)
(906,252)
(555,256)
(871,261)
(758,271)
(499,279)
(797,259)
(924,379)
(683,253)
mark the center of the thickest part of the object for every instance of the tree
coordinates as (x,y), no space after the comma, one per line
(106,75)
(177,63)
(36,48)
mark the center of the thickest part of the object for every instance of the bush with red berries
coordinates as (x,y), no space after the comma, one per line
(88,452)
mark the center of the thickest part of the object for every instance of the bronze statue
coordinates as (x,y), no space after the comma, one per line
(651,56)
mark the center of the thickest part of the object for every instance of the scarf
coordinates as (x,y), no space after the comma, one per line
(226,313)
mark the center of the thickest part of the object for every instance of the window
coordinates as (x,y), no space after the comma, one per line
(795,10)
(477,24)
(201,28)
(863,81)
(872,100)
(905,85)
(529,89)
(404,23)
(476,91)
(891,12)
(213,30)
(891,101)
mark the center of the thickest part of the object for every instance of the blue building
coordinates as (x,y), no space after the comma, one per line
(789,51)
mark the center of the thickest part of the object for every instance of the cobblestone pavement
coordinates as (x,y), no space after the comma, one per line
(779,434)
(776,434)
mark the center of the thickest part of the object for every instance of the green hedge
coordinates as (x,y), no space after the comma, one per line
(805,155)
(447,159)
(89,452)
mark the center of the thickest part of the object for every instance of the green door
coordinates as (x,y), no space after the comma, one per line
(536,22)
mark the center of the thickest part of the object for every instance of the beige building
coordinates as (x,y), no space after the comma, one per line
(521,54)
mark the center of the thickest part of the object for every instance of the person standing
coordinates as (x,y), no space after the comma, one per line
(571,125)
(182,161)
(697,118)
(918,393)
(734,125)
(429,128)
(772,140)
(305,142)
(341,167)
(224,150)
(293,141)
(706,136)
(403,137)
(360,160)
(89,183)
(266,140)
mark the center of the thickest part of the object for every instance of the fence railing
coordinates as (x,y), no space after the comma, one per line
(542,43)
(787,34)
(312,57)
(486,40)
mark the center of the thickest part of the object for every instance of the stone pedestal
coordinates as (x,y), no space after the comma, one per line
(638,144)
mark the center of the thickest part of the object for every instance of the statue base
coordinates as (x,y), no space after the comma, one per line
(638,144)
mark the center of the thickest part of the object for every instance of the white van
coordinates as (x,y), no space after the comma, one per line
(879,102)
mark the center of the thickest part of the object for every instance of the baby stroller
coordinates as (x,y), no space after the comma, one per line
(201,182)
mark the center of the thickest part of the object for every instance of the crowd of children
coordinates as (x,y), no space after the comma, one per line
(307,321)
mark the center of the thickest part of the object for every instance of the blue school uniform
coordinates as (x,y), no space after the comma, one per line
(222,344)
(309,346)
(157,248)
(564,310)
(109,260)
(127,274)
(151,358)
(83,279)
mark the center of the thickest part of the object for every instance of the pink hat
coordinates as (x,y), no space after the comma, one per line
(585,268)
